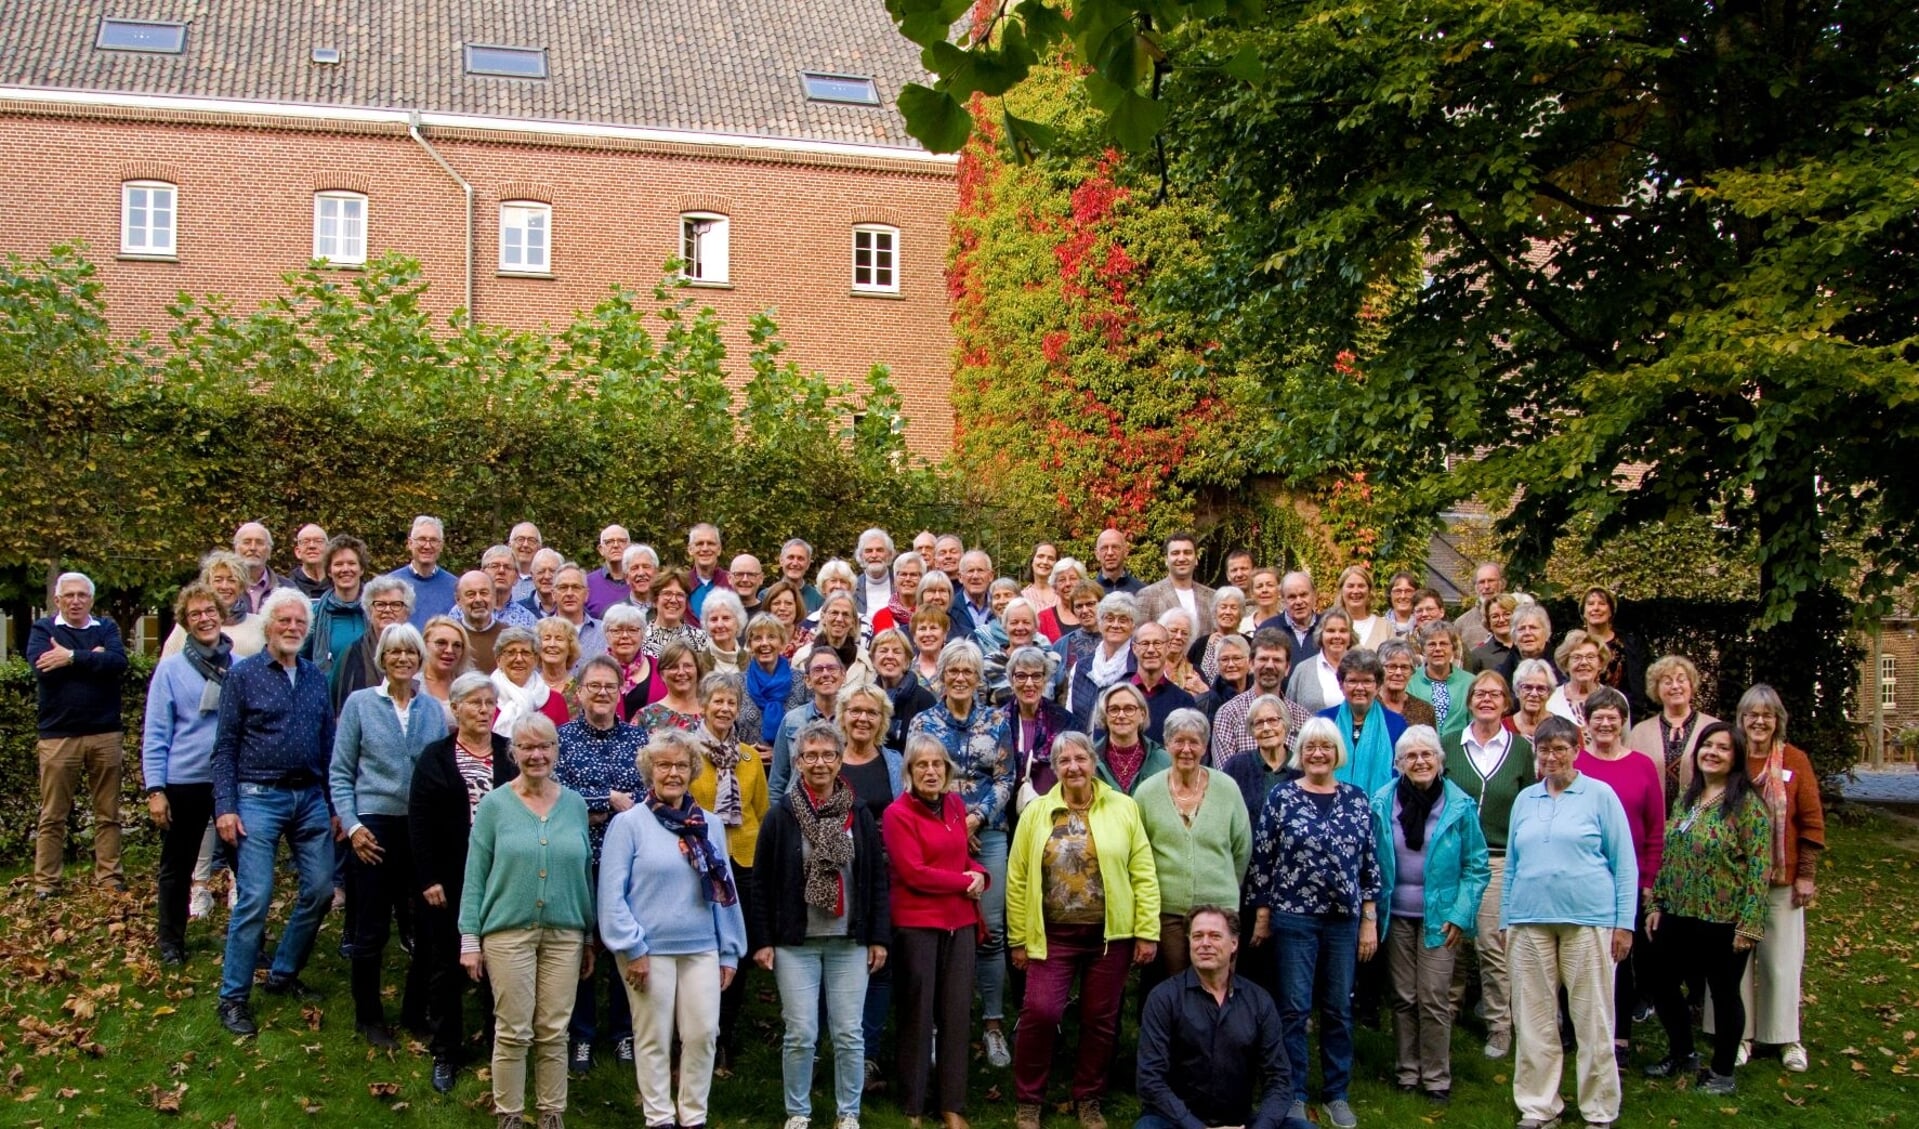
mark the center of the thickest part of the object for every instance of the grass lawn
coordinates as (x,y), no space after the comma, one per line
(93,1031)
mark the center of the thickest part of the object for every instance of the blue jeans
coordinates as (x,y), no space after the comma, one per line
(1317,954)
(989,966)
(268,813)
(836,968)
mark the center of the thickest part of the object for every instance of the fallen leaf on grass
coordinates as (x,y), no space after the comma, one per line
(28,1094)
(66,1092)
(167,1101)
(232,1122)
(164,1009)
(309,1105)
(1793,1100)
(14,1075)
(313,1015)
(383,1089)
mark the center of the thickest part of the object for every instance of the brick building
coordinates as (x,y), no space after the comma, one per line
(530,156)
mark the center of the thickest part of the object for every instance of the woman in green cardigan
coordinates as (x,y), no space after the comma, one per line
(525,914)
(1442,682)
(1201,835)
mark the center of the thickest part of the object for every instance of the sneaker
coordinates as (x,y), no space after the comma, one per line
(172,955)
(1438,1097)
(874,1082)
(1340,1114)
(1296,1111)
(445,1073)
(1721,1084)
(236,1017)
(1673,1066)
(1745,1053)
(1537,1123)
(199,903)
(797,1122)
(290,986)
(847,1121)
(998,1055)
(1642,1013)
(623,1050)
(579,1057)
(552,1119)
(1794,1056)
(1025,1116)
(1089,1115)
(1499,1046)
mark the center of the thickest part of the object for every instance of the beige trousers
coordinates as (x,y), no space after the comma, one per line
(62,761)
(535,973)
(682,997)
(1542,959)
(1771,986)
(1422,981)
(1489,950)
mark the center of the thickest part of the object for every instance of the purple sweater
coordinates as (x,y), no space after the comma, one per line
(1635,780)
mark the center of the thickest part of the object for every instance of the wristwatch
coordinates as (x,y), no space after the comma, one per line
(1369,915)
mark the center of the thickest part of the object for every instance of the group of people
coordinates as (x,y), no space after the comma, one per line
(905,781)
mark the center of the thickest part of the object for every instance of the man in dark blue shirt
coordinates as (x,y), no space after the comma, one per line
(1209,1040)
(270,762)
(78,661)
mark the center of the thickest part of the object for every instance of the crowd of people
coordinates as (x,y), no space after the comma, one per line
(609,796)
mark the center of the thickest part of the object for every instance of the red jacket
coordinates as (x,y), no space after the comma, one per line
(930,865)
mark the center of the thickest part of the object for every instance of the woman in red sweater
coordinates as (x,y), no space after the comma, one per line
(936,922)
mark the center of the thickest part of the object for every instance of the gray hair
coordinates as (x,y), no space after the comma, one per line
(1529,667)
(819,729)
(1418,737)
(725,600)
(1006,583)
(1187,721)
(715,681)
(280,597)
(925,744)
(626,615)
(1062,565)
(601,660)
(1106,695)
(383,585)
(86,580)
(909,557)
(959,652)
(1761,696)
(664,738)
(467,685)
(232,561)
(495,553)
(1233,641)
(259,525)
(1534,611)
(1607,698)
(523,636)
(439,526)
(801,542)
(1319,729)
(637,552)
(1279,706)
(1361,660)
(398,636)
(835,569)
(935,578)
(885,538)
(1167,617)
(871,690)
(1328,616)
(1016,602)
(1027,657)
(1442,627)
(699,527)
(1118,603)
(539,725)
(1073,738)
(1392,648)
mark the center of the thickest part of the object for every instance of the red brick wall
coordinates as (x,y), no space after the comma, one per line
(246,218)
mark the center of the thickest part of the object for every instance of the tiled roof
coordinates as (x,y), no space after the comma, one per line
(715,66)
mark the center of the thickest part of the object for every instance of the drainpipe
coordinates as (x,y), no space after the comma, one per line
(413,131)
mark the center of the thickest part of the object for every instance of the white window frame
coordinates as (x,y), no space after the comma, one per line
(149,247)
(874,233)
(706,256)
(350,250)
(1888,682)
(526,217)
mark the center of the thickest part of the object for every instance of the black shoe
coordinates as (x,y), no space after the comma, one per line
(290,986)
(172,955)
(623,1050)
(1642,1013)
(1438,1097)
(1405,1087)
(1622,1055)
(378,1036)
(1673,1066)
(444,1075)
(43,895)
(236,1017)
(580,1057)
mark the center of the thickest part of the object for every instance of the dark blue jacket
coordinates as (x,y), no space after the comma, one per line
(83,699)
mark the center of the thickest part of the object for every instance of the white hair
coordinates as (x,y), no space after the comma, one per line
(79,576)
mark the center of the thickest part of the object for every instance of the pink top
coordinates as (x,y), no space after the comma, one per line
(929,863)
(1635,780)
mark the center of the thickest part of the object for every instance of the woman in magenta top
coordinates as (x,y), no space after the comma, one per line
(1636,781)
(934,900)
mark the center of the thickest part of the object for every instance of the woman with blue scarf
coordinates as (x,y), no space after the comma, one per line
(1368,728)
(769,681)
(670,914)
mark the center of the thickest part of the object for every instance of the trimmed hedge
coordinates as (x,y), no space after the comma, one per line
(20,764)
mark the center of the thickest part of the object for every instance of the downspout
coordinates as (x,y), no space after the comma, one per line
(413,131)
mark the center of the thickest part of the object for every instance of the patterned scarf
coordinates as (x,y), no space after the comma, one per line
(769,691)
(1772,785)
(724,755)
(824,826)
(687,821)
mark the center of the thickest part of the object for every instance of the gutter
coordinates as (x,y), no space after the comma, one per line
(413,131)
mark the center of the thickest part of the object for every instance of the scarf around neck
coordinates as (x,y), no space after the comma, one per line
(724,756)
(824,826)
(1416,806)
(769,692)
(517,702)
(1772,785)
(688,822)
(1369,765)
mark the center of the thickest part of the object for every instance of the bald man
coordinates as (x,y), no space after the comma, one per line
(309,576)
(473,604)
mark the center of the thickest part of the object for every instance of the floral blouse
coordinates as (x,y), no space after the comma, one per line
(1715,868)
(985,777)
(1312,861)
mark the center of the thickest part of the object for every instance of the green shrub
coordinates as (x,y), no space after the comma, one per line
(20,763)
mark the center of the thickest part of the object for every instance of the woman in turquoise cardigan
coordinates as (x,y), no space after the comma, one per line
(525,915)
(1442,681)
(1433,871)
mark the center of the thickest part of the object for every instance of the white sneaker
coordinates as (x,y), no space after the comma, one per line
(998,1054)
(847,1121)
(199,903)
(1794,1056)
(1498,1047)
(1745,1053)
(798,1122)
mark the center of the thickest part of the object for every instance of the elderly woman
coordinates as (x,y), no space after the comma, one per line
(1532,639)
(1030,722)
(1432,872)
(734,794)
(1492,764)
(1180,670)
(1124,756)
(786,602)
(1314,683)
(1441,683)
(1397,662)
(1607,758)
(1369,729)
(1583,658)
(1670,735)
(1229,610)
(671,591)
(1708,906)
(1570,901)
(1314,882)
(670,915)
(991,634)
(1785,779)
(388,600)
(874,772)
(936,594)
(525,916)
(559,653)
(891,653)
(176,748)
(931,632)
(935,893)
(1082,905)
(380,736)
(908,571)
(1400,592)
(1234,659)
(1020,627)
(1107,662)
(974,736)
(225,573)
(1060,617)
(680,671)
(1428,607)
(723,622)
(1356,600)
(1498,652)
(450,779)
(1201,835)
(1080,637)
(1533,686)
(598,754)
(640,685)
(840,633)
(446,657)
(1257,771)
(518,684)
(821,926)
(1039,570)
(1625,669)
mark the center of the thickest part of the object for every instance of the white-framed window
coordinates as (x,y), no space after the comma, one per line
(876,258)
(526,237)
(705,246)
(339,227)
(149,210)
(1888,681)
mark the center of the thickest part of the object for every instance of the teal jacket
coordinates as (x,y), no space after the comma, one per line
(1456,868)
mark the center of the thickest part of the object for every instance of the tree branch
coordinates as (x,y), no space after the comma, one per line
(1598,355)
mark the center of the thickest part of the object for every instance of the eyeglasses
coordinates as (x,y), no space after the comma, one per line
(1028,676)
(597,688)
(1264,721)
(861,711)
(533,746)
(389,605)
(679,767)
(817,756)
(1121,710)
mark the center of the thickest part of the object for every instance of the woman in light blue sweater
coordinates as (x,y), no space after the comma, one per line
(378,741)
(670,914)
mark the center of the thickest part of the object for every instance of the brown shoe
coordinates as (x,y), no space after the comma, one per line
(506,1121)
(552,1119)
(1089,1115)
(1026,1115)
(954,1121)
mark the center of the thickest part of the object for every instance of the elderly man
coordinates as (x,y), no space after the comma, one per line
(1489,580)
(973,603)
(433,587)
(703,551)
(1272,662)
(642,564)
(78,662)
(947,551)
(270,762)
(309,549)
(796,566)
(1299,622)
(502,574)
(569,596)
(546,564)
(923,543)
(606,585)
(525,540)
(474,601)
(875,588)
(1209,1041)
(748,578)
(255,546)
(1150,644)
(1179,589)
(1110,550)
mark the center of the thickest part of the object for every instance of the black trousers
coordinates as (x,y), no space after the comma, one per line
(192,809)
(933,988)
(375,893)
(1691,949)
(1641,967)
(436,947)
(734,997)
